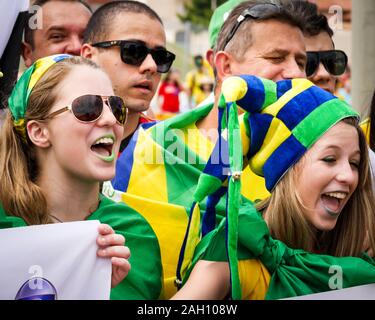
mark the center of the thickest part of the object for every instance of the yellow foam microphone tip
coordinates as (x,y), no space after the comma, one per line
(1,74)
(233,89)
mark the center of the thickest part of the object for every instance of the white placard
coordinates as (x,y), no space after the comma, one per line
(54,261)
(365,292)
(9,11)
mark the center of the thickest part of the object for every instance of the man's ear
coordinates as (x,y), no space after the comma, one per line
(27,54)
(89,52)
(222,61)
(38,133)
(210,57)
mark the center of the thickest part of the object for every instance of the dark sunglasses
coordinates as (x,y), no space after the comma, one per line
(258,11)
(334,61)
(134,53)
(89,108)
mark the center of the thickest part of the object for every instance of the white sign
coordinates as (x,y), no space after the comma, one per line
(9,11)
(365,292)
(53,262)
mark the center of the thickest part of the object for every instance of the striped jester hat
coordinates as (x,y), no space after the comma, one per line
(282,120)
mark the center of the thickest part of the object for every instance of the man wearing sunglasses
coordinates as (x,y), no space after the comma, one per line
(127,39)
(324,63)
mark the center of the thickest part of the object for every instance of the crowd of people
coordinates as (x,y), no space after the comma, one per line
(253,193)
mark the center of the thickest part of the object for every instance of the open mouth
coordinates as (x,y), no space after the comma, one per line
(103,148)
(333,202)
(144,86)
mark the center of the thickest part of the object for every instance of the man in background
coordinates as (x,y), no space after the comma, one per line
(63,23)
(127,40)
(324,63)
(195,78)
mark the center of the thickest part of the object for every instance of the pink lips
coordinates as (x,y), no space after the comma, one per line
(144,86)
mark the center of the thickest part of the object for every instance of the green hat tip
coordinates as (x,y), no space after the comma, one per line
(218,18)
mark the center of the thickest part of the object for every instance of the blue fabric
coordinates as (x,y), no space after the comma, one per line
(254,98)
(281,160)
(283,86)
(209,218)
(124,165)
(259,125)
(300,107)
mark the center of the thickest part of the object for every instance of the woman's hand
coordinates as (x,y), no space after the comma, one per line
(111,245)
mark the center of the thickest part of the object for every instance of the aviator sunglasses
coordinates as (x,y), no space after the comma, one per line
(334,61)
(134,53)
(89,108)
(257,12)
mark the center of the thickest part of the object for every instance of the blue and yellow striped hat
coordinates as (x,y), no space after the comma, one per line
(283,120)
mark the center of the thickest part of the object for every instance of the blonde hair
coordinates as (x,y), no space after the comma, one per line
(287,221)
(19,194)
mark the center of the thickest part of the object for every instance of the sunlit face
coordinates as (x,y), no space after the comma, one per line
(76,150)
(63,25)
(322,78)
(281,56)
(135,84)
(328,175)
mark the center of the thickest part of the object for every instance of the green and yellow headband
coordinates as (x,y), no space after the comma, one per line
(20,95)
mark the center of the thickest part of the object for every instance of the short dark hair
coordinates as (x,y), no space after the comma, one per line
(29,33)
(314,22)
(99,25)
(238,48)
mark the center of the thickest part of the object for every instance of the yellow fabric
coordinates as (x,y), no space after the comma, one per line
(254,278)
(298,86)
(276,135)
(192,240)
(197,142)
(155,170)
(164,115)
(253,186)
(234,89)
(169,224)
(41,66)
(20,126)
(365,126)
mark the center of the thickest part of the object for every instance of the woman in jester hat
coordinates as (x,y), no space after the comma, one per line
(310,149)
(59,141)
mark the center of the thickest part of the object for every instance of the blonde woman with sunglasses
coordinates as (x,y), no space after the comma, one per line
(59,141)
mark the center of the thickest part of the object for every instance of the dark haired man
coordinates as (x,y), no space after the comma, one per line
(324,63)
(63,23)
(127,39)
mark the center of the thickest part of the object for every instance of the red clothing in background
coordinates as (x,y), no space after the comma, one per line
(169,92)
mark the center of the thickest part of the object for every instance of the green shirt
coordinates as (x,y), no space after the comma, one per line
(144,280)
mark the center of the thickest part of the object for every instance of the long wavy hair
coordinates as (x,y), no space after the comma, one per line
(19,194)
(287,221)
